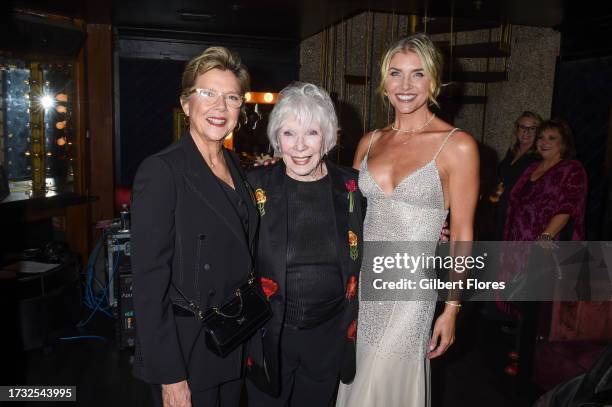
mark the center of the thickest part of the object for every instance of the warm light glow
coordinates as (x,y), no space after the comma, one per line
(27,153)
(60,125)
(229,141)
(61,97)
(47,102)
(61,141)
(61,109)
(261,97)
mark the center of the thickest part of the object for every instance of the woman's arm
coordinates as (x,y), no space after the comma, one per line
(556,225)
(152,245)
(460,163)
(571,194)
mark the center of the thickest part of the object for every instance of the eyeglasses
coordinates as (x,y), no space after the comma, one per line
(526,128)
(210,97)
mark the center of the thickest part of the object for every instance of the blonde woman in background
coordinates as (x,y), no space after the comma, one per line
(521,154)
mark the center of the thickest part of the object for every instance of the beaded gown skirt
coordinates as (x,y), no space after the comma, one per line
(393,336)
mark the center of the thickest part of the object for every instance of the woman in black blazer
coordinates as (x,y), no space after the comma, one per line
(308,258)
(194,224)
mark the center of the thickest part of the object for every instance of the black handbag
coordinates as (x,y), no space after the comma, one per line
(228,326)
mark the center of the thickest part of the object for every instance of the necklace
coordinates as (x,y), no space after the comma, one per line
(211,164)
(417,129)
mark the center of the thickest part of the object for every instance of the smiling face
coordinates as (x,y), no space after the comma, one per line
(406,84)
(302,149)
(214,120)
(550,144)
(526,130)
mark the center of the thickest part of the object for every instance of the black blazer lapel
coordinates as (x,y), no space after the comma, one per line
(204,184)
(341,212)
(277,224)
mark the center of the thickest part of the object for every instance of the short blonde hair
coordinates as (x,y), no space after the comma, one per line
(428,53)
(215,58)
(305,103)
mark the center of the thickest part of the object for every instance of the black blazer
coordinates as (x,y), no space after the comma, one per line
(186,233)
(269,186)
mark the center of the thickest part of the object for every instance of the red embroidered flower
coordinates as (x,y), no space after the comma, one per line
(351,332)
(269,286)
(351,185)
(249,361)
(351,287)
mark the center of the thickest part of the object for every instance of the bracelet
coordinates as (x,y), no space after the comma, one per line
(544,236)
(452,304)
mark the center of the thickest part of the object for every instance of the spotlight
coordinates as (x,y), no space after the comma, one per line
(268,97)
(247,96)
(47,102)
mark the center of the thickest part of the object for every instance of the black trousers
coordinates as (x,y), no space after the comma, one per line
(223,395)
(310,368)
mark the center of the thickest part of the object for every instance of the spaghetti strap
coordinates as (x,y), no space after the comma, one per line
(364,162)
(444,142)
(370,146)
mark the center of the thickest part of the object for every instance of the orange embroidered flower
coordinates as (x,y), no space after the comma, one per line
(352,238)
(353,250)
(260,198)
(269,286)
(351,287)
(351,332)
(260,195)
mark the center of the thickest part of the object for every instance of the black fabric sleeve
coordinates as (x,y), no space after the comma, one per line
(153,231)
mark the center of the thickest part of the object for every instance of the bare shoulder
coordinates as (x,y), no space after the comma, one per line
(362,148)
(364,142)
(460,154)
(462,144)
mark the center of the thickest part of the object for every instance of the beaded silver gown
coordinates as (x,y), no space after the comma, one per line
(393,336)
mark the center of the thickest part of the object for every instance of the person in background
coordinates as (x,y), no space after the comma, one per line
(548,202)
(550,195)
(519,156)
(193,226)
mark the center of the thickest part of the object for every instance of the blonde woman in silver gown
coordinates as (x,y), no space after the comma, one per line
(412,173)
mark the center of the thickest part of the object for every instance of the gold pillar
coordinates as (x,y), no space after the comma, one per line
(413,20)
(37,131)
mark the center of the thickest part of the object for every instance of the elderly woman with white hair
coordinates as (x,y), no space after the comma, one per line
(308,257)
